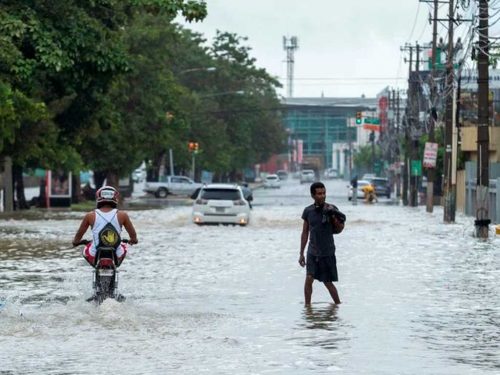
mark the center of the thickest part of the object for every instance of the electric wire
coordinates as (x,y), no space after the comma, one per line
(414,22)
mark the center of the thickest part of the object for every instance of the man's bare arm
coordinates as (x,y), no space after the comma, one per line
(304,237)
(303,242)
(129,227)
(83,228)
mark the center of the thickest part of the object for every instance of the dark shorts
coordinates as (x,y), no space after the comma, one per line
(323,269)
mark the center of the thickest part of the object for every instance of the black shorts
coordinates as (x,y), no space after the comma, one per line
(323,269)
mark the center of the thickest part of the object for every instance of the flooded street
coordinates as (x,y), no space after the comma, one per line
(419,296)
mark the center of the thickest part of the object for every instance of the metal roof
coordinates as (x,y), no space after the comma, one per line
(331,102)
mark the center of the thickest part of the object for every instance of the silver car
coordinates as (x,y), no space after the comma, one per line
(221,204)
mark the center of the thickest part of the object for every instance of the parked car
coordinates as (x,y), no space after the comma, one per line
(282,174)
(331,173)
(272,181)
(221,204)
(360,193)
(176,185)
(307,175)
(382,187)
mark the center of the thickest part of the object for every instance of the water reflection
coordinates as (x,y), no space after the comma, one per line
(321,327)
(321,317)
(461,316)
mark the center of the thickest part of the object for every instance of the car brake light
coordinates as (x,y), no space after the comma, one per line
(201,201)
(239,202)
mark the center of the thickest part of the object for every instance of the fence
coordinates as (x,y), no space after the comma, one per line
(470,191)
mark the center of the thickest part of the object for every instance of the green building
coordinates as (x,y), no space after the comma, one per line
(324,129)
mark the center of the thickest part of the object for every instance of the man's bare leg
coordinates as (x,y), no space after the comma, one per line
(308,289)
(333,292)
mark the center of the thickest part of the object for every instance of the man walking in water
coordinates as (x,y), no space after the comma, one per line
(321,222)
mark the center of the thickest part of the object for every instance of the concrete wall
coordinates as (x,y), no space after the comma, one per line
(461,191)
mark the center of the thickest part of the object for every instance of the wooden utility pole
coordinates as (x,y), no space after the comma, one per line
(431,172)
(482,215)
(449,188)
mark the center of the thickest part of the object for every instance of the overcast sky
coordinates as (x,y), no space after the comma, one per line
(346,48)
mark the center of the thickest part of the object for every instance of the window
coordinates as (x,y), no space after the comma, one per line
(221,194)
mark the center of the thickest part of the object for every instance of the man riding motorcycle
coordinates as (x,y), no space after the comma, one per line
(106,223)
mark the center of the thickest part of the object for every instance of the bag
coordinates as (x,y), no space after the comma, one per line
(109,236)
(337,225)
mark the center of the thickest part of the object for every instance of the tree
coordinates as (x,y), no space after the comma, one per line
(364,158)
(66,55)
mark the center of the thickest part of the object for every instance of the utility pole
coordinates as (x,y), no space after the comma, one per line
(407,126)
(290,45)
(449,188)
(414,118)
(431,172)
(482,214)
(398,170)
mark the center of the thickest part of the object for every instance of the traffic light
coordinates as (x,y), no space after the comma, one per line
(193,146)
(359,118)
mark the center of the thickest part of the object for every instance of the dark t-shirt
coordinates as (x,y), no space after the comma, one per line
(320,231)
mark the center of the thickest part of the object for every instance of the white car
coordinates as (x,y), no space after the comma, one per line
(307,175)
(221,204)
(272,181)
(360,193)
(331,173)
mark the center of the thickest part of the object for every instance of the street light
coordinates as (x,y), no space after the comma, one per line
(207,69)
(239,92)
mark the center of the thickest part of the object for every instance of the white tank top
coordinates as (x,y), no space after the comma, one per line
(101,219)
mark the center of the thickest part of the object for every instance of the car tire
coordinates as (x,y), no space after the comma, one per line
(161,193)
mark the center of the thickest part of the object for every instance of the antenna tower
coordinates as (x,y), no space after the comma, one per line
(290,45)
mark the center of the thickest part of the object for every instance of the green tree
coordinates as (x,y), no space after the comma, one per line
(250,112)
(364,157)
(66,55)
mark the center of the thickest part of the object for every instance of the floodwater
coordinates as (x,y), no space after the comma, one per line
(419,296)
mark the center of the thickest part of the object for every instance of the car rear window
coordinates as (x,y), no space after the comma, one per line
(221,194)
(380,182)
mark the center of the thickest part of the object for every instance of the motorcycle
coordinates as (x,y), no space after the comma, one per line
(105,276)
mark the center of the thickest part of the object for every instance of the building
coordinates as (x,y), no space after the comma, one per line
(469,111)
(322,132)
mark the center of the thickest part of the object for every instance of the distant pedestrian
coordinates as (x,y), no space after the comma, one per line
(321,221)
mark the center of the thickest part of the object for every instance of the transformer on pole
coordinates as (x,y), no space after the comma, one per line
(290,45)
